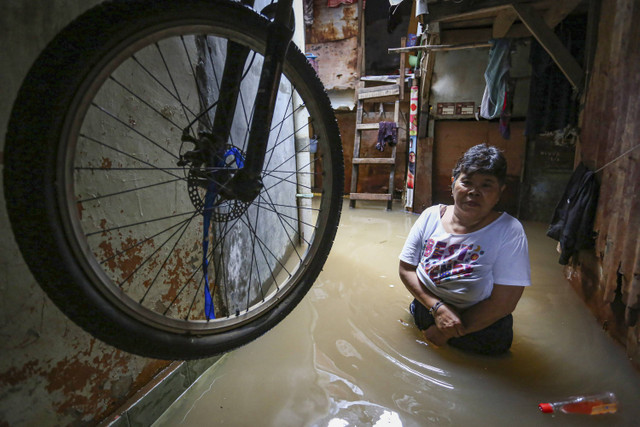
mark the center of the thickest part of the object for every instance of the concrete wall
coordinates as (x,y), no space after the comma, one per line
(458,76)
(51,371)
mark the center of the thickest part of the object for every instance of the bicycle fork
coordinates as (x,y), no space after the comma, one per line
(246,183)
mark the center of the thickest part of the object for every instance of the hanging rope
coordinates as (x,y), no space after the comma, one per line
(617,158)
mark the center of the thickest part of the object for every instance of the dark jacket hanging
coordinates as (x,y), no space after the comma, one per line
(572,222)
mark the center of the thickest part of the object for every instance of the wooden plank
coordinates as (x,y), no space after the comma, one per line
(403,43)
(374,160)
(503,22)
(360,52)
(392,175)
(440,47)
(559,10)
(378,91)
(446,11)
(356,153)
(381,88)
(368,126)
(369,196)
(554,47)
(423,184)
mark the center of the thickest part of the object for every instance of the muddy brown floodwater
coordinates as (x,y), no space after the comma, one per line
(349,354)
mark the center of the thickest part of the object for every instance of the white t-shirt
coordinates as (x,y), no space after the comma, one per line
(462,268)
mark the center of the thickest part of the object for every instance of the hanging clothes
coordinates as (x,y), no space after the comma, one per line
(308,12)
(572,222)
(387,134)
(496,77)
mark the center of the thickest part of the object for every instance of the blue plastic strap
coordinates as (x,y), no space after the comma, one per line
(209,199)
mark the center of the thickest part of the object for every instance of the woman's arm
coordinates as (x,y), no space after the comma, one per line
(501,302)
(446,319)
(410,279)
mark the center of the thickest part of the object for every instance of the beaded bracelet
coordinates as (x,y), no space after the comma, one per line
(433,310)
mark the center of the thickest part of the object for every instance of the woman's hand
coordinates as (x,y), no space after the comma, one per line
(434,336)
(448,322)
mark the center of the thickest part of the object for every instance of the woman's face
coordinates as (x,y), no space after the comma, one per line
(476,194)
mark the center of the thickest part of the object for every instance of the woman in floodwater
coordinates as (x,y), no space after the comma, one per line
(467,264)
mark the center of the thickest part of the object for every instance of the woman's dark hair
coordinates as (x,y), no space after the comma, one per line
(482,158)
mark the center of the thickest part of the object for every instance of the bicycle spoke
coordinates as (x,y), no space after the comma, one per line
(252,261)
(167,90)
(144,101)
(202,100)
(184,229)
(263,245)
(130,127)
(130,190)
(278,226)
(134,224)
(141,242)
(281,216)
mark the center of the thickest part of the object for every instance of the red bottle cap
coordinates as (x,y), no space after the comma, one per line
(546,408)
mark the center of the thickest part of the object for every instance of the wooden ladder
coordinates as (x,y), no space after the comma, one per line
(384,93)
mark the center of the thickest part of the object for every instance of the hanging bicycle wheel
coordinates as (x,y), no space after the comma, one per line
(118,209)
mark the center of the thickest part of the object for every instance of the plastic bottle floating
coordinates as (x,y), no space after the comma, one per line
(596,404)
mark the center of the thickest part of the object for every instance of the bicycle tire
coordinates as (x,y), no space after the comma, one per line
(83,119)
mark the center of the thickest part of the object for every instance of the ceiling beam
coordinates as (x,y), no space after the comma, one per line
(503,22)
(443,11)
(559,10)
(550,42)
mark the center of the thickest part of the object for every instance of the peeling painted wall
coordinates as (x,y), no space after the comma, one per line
(333,38)
(51,371)
(458,76)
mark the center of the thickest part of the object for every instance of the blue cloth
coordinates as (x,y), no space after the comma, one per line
(496,77)
(209,199)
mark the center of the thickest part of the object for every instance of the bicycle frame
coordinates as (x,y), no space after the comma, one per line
(246,184)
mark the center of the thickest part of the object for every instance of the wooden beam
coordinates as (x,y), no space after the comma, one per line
(503,22)
(378,91)
(360,53)
(370,196)
(368,126)
(457,36)
(559,10)
(439,47)
(443,11)
(373,161)
(554,47)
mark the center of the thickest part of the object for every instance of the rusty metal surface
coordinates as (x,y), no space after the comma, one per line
(332,23)
(337,63)
(333,38)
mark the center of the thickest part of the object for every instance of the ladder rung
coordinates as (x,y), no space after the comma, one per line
(369,196)
(368,126)
(374,161)
(378,91)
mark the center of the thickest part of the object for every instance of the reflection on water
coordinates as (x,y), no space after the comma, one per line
(349,354)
